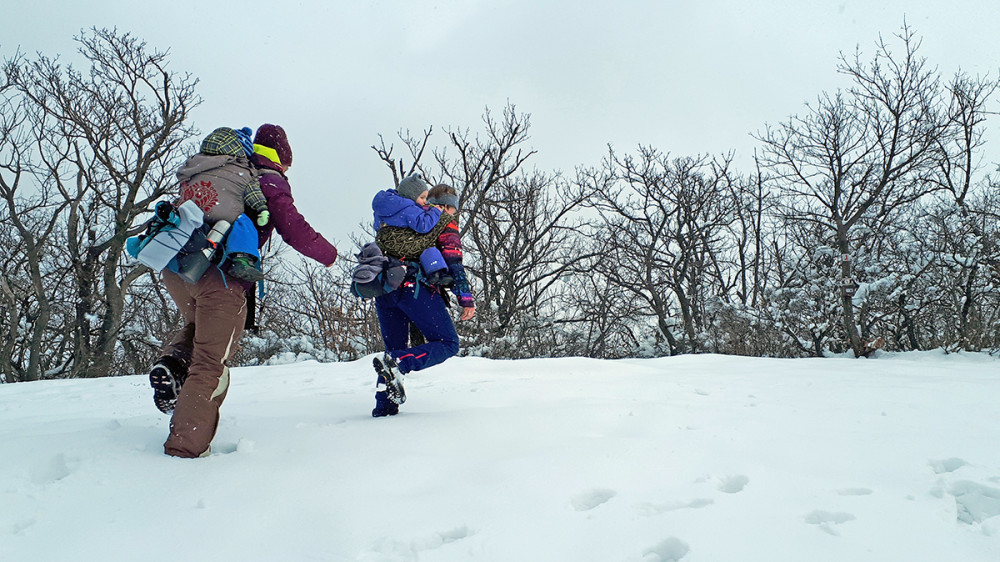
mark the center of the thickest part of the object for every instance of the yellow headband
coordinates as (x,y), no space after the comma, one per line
(267,152)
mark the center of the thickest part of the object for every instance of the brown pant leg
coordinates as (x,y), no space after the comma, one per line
(182,344)
(219,313)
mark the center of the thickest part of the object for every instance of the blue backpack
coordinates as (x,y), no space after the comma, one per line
(177,239)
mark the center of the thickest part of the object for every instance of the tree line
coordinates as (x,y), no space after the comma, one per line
(869,220)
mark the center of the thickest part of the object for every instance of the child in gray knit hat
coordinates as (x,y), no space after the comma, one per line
(405,207)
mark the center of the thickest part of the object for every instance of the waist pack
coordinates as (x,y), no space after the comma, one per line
(177,239)
(376,274)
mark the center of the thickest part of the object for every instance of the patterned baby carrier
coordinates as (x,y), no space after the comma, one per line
(406,243)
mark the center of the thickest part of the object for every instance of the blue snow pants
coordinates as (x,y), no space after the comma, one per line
(427,311)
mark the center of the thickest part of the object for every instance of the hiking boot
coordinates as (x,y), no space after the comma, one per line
(166,379)
(390,377)
(384,406)
(243,268)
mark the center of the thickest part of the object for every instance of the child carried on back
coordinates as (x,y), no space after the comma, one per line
(442,240)
(221,181)
(402,212)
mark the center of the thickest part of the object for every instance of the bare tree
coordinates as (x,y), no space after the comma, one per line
(600,318)
(483,161)
(926,285)
(956,173)
(804,304)
(32,213)
(527,238)
(752,210)
(663,225)
(862,154)
(103,145)
(397,166)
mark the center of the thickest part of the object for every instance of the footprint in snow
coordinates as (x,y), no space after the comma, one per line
(439,539)
(52,471)
(590,499)
(656,509)
(975,503)
(669,550)
(826,519)
(20,526)
(225,448)
(410,550)
(946,465)
(854,492)
(733,484)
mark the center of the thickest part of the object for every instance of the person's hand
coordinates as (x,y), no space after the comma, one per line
(467,313)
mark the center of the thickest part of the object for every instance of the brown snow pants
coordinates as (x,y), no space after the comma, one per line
(214,309)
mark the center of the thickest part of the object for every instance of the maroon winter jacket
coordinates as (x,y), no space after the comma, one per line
(285,218)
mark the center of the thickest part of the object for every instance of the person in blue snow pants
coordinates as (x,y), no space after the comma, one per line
(425,308)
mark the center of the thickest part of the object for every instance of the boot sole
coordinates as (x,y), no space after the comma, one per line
(393,386)
(165,389)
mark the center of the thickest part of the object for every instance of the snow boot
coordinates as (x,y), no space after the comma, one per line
(391,377)
(384,406)
(166,379)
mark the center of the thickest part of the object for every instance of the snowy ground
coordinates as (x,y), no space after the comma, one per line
(693,459)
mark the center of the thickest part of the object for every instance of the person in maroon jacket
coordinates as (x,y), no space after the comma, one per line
(192,378)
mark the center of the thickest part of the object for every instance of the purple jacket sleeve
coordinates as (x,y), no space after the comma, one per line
(290,224)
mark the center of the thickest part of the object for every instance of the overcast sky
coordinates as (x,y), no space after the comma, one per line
(687,77)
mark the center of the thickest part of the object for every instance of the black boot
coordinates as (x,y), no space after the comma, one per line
(166,378)
(384,406)
(390,375)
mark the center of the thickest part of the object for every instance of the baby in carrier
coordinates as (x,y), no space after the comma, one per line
(401,214)
(221,181)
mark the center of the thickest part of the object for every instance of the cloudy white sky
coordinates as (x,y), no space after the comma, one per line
(685,77)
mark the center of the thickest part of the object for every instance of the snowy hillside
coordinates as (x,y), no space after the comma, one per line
(693,459)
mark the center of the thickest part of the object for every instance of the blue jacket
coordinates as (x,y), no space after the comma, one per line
(392,209)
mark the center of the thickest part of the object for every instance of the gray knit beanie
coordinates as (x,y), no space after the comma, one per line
(412,186)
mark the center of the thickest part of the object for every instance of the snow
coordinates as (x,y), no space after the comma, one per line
(692,458)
